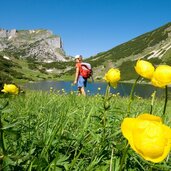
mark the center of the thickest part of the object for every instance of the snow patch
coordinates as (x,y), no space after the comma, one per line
(6,57)
(49,70)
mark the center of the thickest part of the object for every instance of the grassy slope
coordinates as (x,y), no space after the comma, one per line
(50,130)
(132,48)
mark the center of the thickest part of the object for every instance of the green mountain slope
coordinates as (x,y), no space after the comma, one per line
(154,46)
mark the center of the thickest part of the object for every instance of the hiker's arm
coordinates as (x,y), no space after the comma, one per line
(76,75)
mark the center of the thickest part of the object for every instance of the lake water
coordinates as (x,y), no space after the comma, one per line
(142,90)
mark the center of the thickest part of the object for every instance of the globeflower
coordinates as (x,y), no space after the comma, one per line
(144,69)
(162,76)
(99,88)
(148,137)
(112,76)
(11,89)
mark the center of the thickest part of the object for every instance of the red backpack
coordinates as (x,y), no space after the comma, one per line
(86,70)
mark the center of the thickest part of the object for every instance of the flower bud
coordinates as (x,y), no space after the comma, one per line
(11,89)
(112,77)
(144,69)
(162,76)
(148,136)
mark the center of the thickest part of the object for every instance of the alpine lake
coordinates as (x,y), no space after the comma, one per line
(93,88)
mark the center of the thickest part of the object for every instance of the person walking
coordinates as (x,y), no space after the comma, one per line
(79,79)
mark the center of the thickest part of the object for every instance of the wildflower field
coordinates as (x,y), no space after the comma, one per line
(50,131)
(55,131)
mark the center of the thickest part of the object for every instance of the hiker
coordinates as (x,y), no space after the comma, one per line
(80,75)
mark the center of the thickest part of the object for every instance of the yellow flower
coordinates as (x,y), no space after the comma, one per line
(112,77)
(148,136)
(10,88)
(162,76)
(144,69)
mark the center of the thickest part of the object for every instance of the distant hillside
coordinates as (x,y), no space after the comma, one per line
(14,69)
(154,46)
(19,63)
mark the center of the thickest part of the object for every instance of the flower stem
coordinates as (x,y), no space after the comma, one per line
(111,160)
(152,101)
(106,107)
(165,103)
(122,161)
(2,143)
(2,140)
(131,95)
(107,92)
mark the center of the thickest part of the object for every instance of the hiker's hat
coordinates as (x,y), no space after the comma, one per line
(78,56)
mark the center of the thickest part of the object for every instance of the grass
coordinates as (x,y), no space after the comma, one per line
(65,132)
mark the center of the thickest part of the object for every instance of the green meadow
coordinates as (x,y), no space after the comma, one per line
(55,131)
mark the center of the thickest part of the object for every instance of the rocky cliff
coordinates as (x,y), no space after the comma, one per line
(41,45)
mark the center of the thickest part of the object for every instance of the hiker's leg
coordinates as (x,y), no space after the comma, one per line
(81,84)
(83,91)
(79,91)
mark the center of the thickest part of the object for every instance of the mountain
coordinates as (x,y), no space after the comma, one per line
(22,53)
(40,45)
(154,46)
(34,55)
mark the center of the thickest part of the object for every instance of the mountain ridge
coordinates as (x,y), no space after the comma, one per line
(42,45)
(154,46)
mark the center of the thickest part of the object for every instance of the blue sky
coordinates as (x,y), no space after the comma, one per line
(87,27)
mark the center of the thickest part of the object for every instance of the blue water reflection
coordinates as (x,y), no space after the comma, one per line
(124,89)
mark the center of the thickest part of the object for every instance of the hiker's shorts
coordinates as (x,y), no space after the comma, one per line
(82,82)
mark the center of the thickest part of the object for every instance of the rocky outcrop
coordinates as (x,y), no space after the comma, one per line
(41,45)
